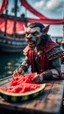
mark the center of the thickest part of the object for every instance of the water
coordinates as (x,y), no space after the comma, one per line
(9,62)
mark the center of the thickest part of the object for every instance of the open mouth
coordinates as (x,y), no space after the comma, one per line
(31,43)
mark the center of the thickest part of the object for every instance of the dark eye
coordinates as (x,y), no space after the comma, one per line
(27,33)
(35,33)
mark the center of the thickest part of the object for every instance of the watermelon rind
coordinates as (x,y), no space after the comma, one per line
(15,97)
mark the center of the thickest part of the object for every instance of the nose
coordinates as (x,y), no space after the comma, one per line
(28,39)
(29,35)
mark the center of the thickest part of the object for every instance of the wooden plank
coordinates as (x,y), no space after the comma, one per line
(8,77)
(13,106)
(5,84)
(48,103)
(5,80)
(33,103)
(53,102)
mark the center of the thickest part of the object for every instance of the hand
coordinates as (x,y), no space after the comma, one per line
(38,78)
(18,71)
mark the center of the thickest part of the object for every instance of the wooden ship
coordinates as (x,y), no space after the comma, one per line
(11,39)
(12,33)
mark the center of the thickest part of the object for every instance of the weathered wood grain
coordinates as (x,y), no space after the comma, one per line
(5,81)
(50,102)
(53,102)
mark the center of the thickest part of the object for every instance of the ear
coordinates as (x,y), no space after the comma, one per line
(45,30)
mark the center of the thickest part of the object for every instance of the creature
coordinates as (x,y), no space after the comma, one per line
(41,53)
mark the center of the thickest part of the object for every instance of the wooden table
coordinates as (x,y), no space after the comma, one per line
(50,102)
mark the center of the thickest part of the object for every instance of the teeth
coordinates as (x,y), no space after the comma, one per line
(31,43)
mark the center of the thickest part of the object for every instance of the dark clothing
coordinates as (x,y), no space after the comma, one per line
(45,59)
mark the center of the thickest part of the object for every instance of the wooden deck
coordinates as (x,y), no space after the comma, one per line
(50,102)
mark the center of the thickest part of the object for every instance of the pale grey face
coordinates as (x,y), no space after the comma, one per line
(33,36)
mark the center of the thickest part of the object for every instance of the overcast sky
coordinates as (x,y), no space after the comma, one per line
(50,8)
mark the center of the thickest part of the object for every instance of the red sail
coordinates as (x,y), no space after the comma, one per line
(31,9)
(47,21)
(20,24)
(42,19)
(10,26)
(3,6)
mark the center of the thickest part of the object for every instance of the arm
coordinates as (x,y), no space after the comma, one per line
(25,64)
(54,72)
(22,68)
(50,74)
(56,64)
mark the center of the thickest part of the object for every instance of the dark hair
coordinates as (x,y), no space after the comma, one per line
(41,26)
(32,25)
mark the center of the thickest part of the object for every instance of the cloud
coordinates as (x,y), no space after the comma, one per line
(40,4)
(50,5)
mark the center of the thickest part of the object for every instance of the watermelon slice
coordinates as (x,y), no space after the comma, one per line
(21,88)
(22,79)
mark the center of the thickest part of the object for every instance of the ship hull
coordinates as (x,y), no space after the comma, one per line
(8,44)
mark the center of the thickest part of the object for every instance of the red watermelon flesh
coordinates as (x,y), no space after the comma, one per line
(22,79)
(21,84)
(21,88)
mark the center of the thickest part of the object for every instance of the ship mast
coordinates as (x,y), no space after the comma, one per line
(63,29)
(15,12)
(63,23)
(6,12)
(62,41)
